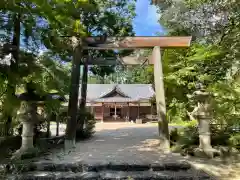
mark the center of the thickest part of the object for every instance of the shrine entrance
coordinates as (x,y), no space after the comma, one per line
(105,43)
(115,112)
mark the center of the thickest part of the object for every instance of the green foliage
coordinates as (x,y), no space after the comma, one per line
(2,130)
(174,136)
(140,74)
(33,24)
(184,123)
(114,18)
(102,71)
(188,137)
(185,139)
(226,102)
(89,128)
(234,140)
(212,59)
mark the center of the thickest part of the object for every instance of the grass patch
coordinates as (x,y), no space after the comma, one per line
(183,124)
(180,123)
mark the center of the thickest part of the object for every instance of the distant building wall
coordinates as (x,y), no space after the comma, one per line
(133,112)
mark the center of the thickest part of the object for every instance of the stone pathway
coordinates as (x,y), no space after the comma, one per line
(130,144)
(118,142)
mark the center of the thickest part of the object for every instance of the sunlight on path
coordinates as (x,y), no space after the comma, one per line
(133,143)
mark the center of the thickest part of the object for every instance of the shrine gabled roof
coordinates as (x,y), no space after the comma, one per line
(114,91)
(130,92)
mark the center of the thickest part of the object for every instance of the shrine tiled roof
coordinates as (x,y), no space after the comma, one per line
(131,92)
(114,99)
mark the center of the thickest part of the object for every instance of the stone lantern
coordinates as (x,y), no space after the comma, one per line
(28,116)
(203,113)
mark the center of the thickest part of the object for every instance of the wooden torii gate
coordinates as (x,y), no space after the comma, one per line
(105,43)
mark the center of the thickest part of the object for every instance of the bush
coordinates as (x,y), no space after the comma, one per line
(220,135)
(184,123)
(234,140)
(174,136)
(88,130)
(187,138)
(2,130)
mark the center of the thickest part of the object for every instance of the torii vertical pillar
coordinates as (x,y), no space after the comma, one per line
(160,100)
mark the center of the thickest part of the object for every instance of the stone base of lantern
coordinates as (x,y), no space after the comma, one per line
(69,144)
(27,149)
(138,121)
(25,153)
(206,153)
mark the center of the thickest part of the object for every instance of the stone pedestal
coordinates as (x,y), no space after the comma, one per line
(204,133)
(138,121)
(27,135)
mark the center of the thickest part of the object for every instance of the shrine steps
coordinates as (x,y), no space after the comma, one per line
(74,171)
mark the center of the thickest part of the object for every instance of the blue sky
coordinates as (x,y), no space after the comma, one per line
(146,21)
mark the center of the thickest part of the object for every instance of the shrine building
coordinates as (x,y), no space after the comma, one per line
(120,102)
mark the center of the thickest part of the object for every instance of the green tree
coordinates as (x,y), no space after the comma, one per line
(110,18)
(213,58)
(25,25)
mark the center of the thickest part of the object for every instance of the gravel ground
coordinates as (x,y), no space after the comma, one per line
(133,143)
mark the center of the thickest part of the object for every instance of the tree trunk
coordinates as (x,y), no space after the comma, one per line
(160,100)
(8,125)
(102,79)
(11,86)
(73,95)
(57,123)
(82,104)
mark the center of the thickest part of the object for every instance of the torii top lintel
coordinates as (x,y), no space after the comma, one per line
(137,42)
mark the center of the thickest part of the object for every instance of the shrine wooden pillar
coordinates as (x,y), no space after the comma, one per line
(160,99)
(128,112)
(115,111)
(138,110)
(48,125)
(102,112)
(151,109)
(92,108)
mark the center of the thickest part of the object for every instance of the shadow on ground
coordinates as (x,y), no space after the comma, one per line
(131,144)
(137,144)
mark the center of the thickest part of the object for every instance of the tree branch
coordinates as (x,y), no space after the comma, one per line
(190,116)
(230,26)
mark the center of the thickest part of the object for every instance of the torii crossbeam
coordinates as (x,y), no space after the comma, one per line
(105,43)
(136,42)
